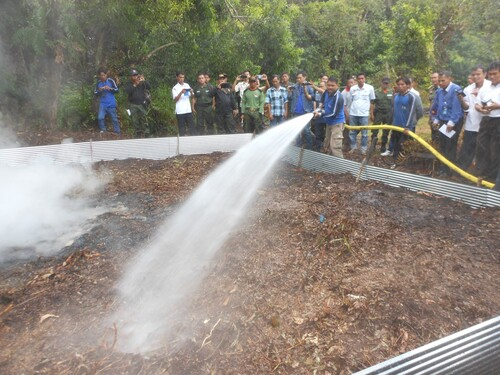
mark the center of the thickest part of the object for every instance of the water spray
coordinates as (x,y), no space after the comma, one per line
(163,275)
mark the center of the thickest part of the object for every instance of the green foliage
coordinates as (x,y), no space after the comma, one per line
(408,39)
(78,108)
(51,50)
(339,36)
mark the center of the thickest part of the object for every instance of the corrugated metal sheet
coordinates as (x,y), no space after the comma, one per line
(162,148)
(474,351)
(148,148)
(471,195)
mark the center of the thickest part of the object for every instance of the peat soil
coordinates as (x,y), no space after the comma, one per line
(326,276)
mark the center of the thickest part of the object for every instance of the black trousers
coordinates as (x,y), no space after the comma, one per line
(185,121)
(488,147)
(468,149)
(448,146)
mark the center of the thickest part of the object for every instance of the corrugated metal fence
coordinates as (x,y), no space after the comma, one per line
(162,148)
(471,195)
(474,351)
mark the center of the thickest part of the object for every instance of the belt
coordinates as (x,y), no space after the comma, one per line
(203,104)
(251,109)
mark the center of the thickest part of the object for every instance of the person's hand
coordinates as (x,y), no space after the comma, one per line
(405,132)
(449,128)
(264,77)
(491,106)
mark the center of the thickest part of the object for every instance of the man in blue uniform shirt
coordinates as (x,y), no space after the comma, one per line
(332,111)
(447,116)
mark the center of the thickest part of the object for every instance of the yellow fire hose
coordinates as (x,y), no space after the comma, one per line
(424,143)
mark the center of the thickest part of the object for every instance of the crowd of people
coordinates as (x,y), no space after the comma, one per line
(251,103)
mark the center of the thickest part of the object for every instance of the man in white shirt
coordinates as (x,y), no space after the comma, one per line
(360,111)
(469,100)
(181,94)
(488,138)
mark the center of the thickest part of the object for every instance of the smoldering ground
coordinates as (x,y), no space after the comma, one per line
(44,206)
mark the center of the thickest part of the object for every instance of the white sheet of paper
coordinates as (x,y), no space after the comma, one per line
(442,129)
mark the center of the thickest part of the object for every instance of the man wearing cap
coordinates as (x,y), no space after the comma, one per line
(106,89)
(226,106)
(181,94)
(252,107)
(137,90)
(382,110)
(203,103)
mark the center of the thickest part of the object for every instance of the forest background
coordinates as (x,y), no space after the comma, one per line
(50,50)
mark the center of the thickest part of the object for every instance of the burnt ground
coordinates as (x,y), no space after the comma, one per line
(388,270)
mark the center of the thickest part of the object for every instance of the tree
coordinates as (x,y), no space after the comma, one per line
(408,39)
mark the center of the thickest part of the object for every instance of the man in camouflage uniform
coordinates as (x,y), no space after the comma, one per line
(203,105)
(383,111)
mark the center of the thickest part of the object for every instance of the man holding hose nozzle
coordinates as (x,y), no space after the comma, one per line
(331,109)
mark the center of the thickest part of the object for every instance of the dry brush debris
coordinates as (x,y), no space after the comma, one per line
(325,276)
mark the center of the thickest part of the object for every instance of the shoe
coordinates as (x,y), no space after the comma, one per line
(353,150)
(102,132)
(386,153)
(363,152)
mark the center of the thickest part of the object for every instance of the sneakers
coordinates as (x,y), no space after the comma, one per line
(386,153)
(363,152)
(102,132)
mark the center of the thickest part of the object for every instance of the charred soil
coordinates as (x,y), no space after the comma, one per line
(326,276)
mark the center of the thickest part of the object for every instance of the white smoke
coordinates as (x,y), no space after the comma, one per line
(8,138)
(43,206)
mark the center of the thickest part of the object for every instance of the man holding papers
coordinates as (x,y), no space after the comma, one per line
(447,117)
